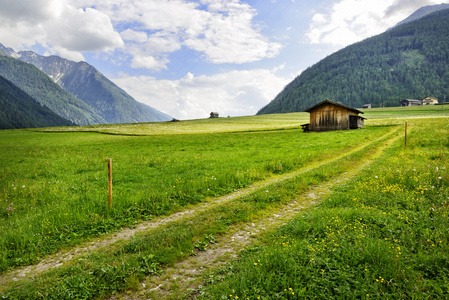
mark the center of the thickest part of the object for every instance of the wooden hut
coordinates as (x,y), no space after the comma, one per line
(329,115)
(214,114)
(411,102)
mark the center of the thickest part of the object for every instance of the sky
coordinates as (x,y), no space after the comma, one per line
(189,58)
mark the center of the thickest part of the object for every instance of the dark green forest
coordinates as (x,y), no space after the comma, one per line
(20,110)
(408,61)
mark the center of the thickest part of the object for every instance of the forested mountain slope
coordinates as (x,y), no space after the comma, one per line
(86,83)
(408,61)
(46,92)
(20,110)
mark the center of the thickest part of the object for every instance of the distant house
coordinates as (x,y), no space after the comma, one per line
(214,114)
(429,101)
(366,106)
(411,102)
(329,115)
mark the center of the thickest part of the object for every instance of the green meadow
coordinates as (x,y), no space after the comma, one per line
(383,234)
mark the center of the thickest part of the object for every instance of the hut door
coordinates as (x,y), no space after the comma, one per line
(353,122)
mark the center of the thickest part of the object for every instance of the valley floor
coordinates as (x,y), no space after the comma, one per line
(231,246)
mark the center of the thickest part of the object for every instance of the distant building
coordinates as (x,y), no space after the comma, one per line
(429,101)
(366,106)
(411,102)
(214,115)
(329,115)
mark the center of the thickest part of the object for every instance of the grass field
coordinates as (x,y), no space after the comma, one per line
(382,236)
(53,196)
(54,185)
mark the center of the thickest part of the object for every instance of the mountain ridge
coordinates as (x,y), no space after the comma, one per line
(88,84)
(45,91)
(408,61)
(422,12)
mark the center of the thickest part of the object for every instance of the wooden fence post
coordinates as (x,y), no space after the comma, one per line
(110,183)
(405,141)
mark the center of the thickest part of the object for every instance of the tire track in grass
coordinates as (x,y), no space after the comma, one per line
(182,281)
(63,257)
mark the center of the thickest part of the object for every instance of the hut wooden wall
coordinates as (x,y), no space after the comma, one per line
(330,117)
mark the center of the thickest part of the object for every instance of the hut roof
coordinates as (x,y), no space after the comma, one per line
(327,101)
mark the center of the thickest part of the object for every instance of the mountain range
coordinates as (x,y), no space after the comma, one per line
(46,92)
(75,91)
(410,60)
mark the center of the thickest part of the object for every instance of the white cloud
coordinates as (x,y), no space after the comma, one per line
(25,11)
(136,36)
(222,31)
(234,93)
(58,26)
(149,62)
(349,21)
(157,43)
(83,30)
(149,51)
(232,39)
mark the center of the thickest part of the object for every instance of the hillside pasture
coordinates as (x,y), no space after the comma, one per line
(199,126)
(398,115)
